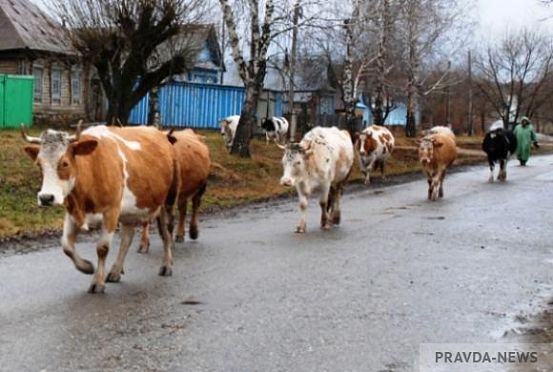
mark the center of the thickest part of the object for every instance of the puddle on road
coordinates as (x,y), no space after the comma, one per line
(436,218)
(533,332)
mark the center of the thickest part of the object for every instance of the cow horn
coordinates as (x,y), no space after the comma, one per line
(75,137)
(27,138)
(280,146)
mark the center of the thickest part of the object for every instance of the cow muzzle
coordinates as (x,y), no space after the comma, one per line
(284,181)
(45,200)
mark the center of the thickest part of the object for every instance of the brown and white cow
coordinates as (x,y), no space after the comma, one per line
(194,164)
(441,129)
(436,153)
(109,175)
(373,145)
(321,161)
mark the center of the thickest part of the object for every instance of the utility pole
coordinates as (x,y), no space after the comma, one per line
(222,52)
(293,118)
(470,122)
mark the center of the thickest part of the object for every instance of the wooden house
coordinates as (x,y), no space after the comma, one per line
(34,44)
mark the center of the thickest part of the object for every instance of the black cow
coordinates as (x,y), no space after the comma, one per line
(499,144)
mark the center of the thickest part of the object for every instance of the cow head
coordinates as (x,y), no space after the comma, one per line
(364,142)
(268,125)
(226,132)
(426,149)
(294,162)
(55,153)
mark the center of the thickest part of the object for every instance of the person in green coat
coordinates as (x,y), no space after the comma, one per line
(524,132)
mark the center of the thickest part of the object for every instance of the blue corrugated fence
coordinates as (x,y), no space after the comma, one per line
(196,105)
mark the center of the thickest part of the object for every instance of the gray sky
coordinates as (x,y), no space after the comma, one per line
(495,17)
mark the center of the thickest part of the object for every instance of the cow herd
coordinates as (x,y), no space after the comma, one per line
(122,177)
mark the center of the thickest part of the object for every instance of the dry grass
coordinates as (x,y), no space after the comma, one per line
(233,180)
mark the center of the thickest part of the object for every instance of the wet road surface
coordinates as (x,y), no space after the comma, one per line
(250,295)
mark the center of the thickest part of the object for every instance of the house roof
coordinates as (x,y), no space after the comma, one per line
(23,25)
(199,37)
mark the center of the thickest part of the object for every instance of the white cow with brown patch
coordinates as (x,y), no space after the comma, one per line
(110,175)
(374,145)
(228,129)
(436,154)
(321,161)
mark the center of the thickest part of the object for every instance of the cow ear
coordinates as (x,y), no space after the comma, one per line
(437,143)
(84,147)
(32,151)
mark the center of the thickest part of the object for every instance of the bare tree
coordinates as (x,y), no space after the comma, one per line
(380,83)
(251,71)
(424,23)
(132,44)
(514,76)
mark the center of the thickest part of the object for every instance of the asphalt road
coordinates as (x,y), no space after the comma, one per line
(250,295)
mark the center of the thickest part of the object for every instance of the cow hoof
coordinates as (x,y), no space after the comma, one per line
(96,288)
(326,227)
(193,233)
(490,180)
(336,220)
(300,230)
(165,271)
(144,248)
(86,268)
(113,278)
(179,238)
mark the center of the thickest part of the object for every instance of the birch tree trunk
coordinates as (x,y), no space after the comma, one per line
(251,72)
(378,111)
(347,81)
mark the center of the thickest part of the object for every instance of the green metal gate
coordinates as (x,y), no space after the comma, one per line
(16,100)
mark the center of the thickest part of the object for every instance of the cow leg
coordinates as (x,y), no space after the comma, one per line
(126,233)
(442,176)
(433,186)
(183,204)
(163,222)
(429,180)
(492,166)
(324,202)
(102,249)
(381,163)
(144,246)
(70,232)
(266,138)
(336,212)
(502,176)
(368,170)
(196,201)
(300,229)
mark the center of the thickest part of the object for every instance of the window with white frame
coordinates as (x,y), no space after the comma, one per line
(75,87)
(56,85)
(38,73)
